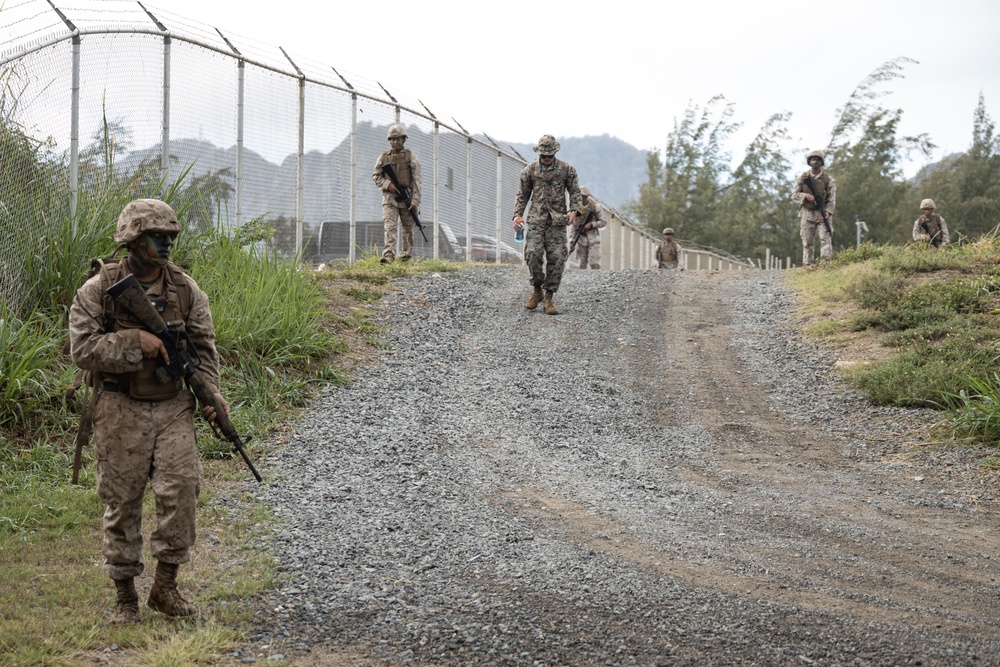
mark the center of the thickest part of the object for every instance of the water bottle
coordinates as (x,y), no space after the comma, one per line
(519,235)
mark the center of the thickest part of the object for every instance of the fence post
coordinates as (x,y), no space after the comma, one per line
(499,197)
(240,99)
(74,137)
(353,223)
(437,160)
(165,147)
(299,154)
(468,198)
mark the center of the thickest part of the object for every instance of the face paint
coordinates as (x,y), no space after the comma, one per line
(158,245)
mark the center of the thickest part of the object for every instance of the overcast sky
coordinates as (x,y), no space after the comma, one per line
(629,68)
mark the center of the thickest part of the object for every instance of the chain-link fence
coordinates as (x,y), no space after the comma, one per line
(248,130)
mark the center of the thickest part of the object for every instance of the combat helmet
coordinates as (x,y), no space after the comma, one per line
(585,191)
(818,154)
(668,230)
(927,203)
(547,145)
(396,131)
(145,215)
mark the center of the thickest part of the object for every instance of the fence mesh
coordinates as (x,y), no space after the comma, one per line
(226,111)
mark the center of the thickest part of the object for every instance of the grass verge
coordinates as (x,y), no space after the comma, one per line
(283,333)
(914,327)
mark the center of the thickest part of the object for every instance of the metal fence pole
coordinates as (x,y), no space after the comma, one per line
(240,106)
(165,148)
(240,94)
(437,161)
(353,223)
(299,154)
(74,137)
(498,203)
(468,199)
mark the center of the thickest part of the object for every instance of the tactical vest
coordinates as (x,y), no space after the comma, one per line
(145,385)
(931,226)
(667,251)
(401,165)
(822,185)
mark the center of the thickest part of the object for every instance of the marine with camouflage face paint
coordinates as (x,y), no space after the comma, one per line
(407,167)
(545,183)
(810,217)
(144,430)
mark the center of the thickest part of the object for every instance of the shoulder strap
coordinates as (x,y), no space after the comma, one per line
(183,287)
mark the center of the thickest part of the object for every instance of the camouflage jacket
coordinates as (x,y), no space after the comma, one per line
(547,187)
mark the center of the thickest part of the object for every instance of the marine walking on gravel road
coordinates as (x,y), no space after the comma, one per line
(587,232)
(546,182)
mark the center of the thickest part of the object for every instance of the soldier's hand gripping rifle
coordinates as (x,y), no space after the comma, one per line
(820,203)
(933,239)
(403,195)
(129,294)
(580,231)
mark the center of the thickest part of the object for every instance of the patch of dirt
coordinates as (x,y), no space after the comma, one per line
(841,530)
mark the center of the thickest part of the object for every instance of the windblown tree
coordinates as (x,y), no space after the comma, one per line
(977,209)
(865,156)
(965,187)
(682,187)
(756,213)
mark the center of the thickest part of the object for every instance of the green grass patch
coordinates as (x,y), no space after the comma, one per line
(937,311)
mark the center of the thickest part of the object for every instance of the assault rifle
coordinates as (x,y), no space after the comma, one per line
(580,231)
(403,195)
(129,294)
(933,239)
(820,203)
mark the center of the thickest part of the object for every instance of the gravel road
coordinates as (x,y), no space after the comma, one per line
(663,474)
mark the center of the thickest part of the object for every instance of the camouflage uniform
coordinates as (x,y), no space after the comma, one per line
(140,440)
(668,252)
(810,218)
(407,168)
(545,242)
(931,229)
(143,428)
(588,247)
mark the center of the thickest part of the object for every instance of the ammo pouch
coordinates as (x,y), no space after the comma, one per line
(143,385)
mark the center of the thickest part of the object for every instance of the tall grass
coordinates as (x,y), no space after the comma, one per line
(973,413)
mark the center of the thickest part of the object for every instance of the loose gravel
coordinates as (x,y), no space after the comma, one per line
(502,488)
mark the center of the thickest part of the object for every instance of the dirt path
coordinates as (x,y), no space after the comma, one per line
(809,524)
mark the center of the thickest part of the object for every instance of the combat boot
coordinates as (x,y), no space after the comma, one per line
(126,603)
(164,596)
(550,308)
(534,299)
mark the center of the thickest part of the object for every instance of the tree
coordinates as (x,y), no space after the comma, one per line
(205,196)
(682,188)
(978,207)
(756,212)
(866,155)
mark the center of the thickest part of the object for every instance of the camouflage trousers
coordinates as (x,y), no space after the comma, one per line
(665,264)
(390,214)
(545,253)
(140,442)
(808,229)
(589,255)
